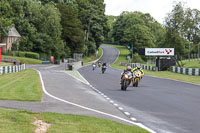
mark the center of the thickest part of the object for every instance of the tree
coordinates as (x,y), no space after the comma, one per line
(72,29)
(182,28)
(39,26)
(111,20)
(5,18)
(91,14)
(135,28)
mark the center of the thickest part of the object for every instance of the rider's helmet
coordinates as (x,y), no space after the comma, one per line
(128,68)
(138,66)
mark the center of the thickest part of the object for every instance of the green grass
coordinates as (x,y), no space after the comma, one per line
(175,76)
(88,59)
(162,74)
(150,64)
(122,57)
(25,60)
(22,86)
(14,121)
(5,64)
(75,74)
(191,64)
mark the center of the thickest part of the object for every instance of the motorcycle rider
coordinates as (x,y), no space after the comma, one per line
(94,65)
(104,64)
(99,63)
(103,67)
(138,67)
(127,69)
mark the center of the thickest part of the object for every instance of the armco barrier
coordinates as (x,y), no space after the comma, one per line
(145,67)
(12,69)
(187,71)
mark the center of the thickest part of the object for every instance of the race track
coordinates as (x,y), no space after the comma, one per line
(166,106)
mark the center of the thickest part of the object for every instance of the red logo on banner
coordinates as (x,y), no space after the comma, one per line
(168,52)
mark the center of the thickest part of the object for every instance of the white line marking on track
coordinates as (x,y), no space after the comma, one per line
(126,113)
(77,78)
(133,119)
(120,108)
(90,109)
(116,104)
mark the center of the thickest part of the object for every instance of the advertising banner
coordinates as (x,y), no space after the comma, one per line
(159,51)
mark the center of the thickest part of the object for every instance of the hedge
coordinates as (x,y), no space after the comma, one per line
(32,55)
(28,55)
(21,54)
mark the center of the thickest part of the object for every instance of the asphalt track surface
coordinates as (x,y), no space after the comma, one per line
(67,88)
(164,105)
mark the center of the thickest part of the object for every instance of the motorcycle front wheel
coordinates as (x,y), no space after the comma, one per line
(136,82)
(123,86)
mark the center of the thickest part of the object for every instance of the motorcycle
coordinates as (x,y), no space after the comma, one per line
(103,69)
(137,76)
(93,66)
(126,80)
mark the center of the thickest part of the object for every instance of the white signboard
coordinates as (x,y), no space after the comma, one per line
(2,44)
(159,51)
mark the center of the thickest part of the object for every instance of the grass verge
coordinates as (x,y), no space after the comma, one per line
(76,75)
(122,57)
(22,122)
(174,76)
(5,64)
(22,86)
(25,60)
(161,74)
(191,64)
(88,59)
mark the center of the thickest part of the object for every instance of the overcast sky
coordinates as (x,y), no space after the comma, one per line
(157,8)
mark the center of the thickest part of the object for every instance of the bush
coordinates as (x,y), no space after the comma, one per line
(32,55)
(91,47)
(27,54)
(137,58)
(22,54)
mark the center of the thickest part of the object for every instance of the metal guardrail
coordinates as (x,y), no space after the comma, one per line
(12,69)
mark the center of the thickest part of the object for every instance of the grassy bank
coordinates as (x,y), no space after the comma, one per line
(5,64)
(91,58)
(175,76)
(191,64)
(14,121)
(162,74)
(22,86)
(25,60)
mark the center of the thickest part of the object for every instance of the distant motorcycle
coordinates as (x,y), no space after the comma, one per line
(103,69)
(93,66)
(99,64)
(137,76)
(126,80)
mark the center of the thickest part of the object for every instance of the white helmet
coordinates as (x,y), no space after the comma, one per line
(138,65)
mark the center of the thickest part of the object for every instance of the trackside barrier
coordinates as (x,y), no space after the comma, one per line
(187,71)
(145,67)
(12,69)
